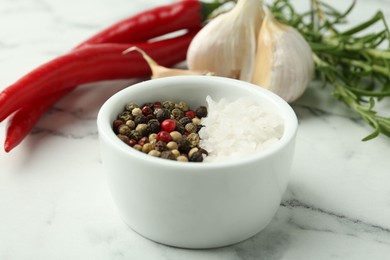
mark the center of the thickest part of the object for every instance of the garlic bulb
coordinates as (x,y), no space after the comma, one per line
(284,62)
(159,71)
(227,44)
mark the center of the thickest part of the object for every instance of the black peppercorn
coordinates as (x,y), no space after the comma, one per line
(161,146)
(201,111)
(180,128)
(162,114)
(185,120)
(140,119)
(168,155)
(203,151)
(151,116)
(196,157)
(199,127)
(154,126)
(184,145)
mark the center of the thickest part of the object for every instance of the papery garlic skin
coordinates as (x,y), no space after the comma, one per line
(159,71)
(227,44)
(284,62)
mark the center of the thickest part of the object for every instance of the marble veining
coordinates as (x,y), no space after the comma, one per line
(54,203)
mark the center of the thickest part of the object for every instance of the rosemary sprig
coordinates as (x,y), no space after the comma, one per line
(351,61)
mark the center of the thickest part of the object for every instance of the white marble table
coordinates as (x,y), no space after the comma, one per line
(54,203)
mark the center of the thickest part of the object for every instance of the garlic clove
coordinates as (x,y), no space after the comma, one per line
(159,71)
(227,44)
(284,62)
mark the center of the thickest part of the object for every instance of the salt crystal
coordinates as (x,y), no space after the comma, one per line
(238,128)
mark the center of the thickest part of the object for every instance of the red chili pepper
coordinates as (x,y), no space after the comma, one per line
(188,14)
(90,64)
(23,120)
(107,62)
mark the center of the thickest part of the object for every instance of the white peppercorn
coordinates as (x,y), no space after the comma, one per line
(182,158)
(172,145)
(176,136)
(136,111)
(154,153)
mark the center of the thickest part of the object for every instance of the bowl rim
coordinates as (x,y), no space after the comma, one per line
(105,126)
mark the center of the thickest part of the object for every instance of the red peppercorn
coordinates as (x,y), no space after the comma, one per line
(143,140)
(132,142)
(191,114)
(117,123)
(146,110)
(157,105)
(164,136)
(168,125)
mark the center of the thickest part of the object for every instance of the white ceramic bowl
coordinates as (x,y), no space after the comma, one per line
(195,205)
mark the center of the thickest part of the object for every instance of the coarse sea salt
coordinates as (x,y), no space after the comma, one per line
(238,128)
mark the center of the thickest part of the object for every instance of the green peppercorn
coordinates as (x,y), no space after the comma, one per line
(131,106)
(168,105)
(130,124)
(177,114)
(201,111)
(124,130)
(168,155)
(125,115)
(191,128)
(182,106)
(154,126)
(161,146)
(196,157)
(134,134)
(143,129)
(162,114)
(194,139)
